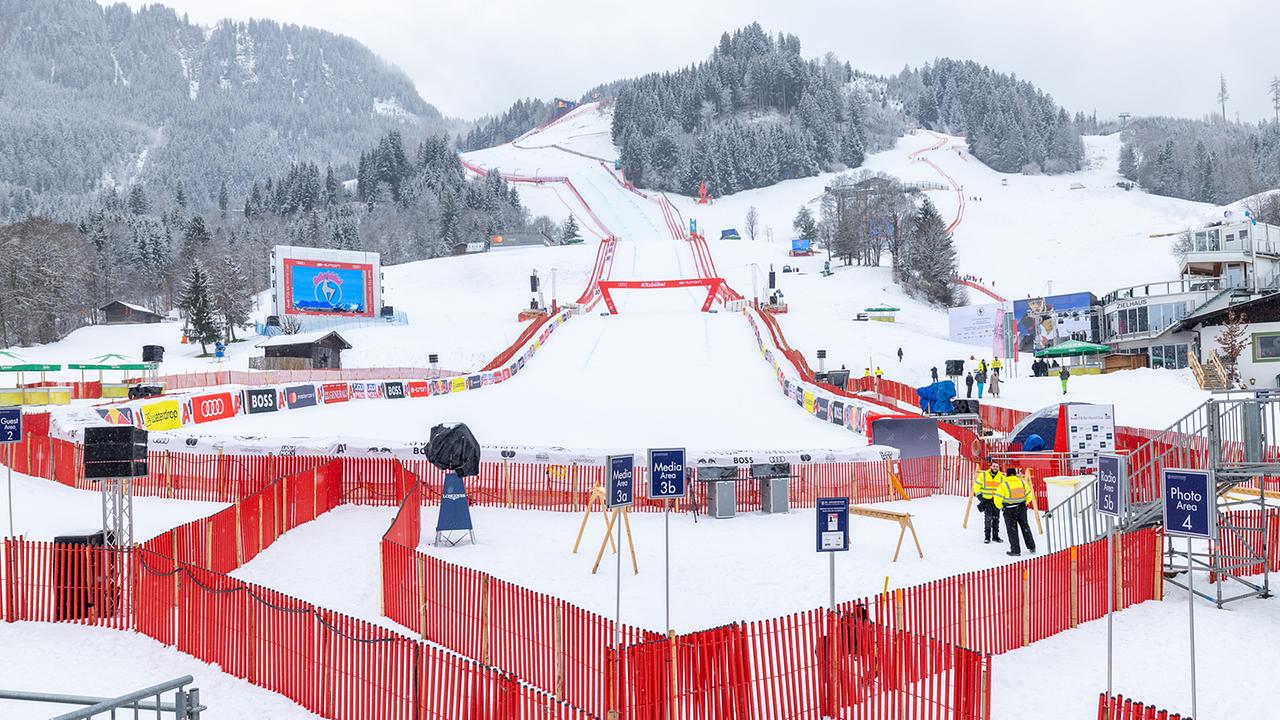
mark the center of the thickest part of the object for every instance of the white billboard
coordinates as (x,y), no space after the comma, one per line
(1091,429)
(975,324)
(323,283)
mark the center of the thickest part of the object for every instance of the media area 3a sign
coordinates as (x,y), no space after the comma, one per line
(667,473)
(622,472)
(1190,503)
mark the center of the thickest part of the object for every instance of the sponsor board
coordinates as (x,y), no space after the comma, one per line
(215,406)
(162,415)
(393,390)
(473,382)
(260,400)
(300,396)
(335,392)
(117,415)
(366,390)
(458,384)
(418,388)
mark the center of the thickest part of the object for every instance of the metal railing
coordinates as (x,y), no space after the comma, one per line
(185,706)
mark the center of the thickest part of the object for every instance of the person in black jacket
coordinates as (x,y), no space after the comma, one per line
(934,372)
(968,385)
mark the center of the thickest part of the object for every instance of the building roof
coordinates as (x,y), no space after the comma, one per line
(310,338)
(131,306)
(1263,309)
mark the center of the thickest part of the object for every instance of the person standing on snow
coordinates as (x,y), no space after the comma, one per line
(1011,500)
(968,385)
(1064,374)
(981,378)
(982,365)
(934,372)
(995,369)
(985,486)
(995,384)
(899,354)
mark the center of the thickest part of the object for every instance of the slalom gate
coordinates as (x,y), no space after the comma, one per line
(1122,708)
(920,652)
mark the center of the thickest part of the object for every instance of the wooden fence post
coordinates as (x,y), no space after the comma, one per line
(674,694)
(239,537)
(963,611)
(315,493)
(422,595)
(1026,606)
(1119,565)
(506,479)
(208,545)
(484,619)
(1075,586)
(177,575)
(558,660)
(1158,556)
(168,476)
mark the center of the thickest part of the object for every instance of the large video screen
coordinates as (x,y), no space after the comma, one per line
(1046,321)
(321,287)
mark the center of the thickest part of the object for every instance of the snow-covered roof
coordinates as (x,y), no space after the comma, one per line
(301,339)
(131,306)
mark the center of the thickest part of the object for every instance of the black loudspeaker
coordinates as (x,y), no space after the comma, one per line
(710,473)
(965,406)
(273,321)
(433,358)
(955,368)
(152,353)
(533,283)
(115,451)
(766,471)
(454,449)
(388,311)
(838,378)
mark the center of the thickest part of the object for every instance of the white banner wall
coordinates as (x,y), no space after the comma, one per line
(974,324)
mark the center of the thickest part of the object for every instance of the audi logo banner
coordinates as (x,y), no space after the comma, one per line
(218,406)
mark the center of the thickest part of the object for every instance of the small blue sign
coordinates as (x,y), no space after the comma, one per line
(622,470)
(693,226)
(1190,503)
(666,473)
(833,524)
(10,425)
(1109,487)
(455,513)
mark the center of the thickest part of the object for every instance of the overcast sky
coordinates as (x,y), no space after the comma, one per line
(471,57)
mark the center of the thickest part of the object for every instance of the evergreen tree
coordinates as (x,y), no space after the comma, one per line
(932,256)
(570,231)
(223,199)
(804,224)
(180,197)
(332,190)
(1128,162)
(231,297)
(197,305)
(138,201)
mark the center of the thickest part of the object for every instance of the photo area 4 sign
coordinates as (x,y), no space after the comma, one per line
(666,473)
(833,524)
(1190,503)
(1109,488)
(622,472)
(10,425)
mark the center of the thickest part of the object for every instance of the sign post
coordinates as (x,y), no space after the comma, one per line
(10,432)
(832,533)
(621,496)
(1110,500)
(667,477)
(1190,511)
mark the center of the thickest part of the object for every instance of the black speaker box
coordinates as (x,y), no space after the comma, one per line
(955,368)
(152,353)
(765,471)
(115,469)
(708,473)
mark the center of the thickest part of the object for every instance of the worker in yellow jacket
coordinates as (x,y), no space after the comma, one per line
(996,366)
(1011,497)
(985,486)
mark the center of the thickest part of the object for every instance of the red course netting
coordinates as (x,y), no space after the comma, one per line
(1122,708)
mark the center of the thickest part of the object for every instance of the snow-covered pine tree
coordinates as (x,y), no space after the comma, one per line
(1233,340)
(196,303)
(804,224)
(570,230)
(230,296)
(932,256)
(1128,162)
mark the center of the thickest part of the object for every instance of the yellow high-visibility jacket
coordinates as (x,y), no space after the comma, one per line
(997,364)
(1012,490)
(987,483)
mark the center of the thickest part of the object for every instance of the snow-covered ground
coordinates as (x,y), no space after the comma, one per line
(643,378)
(1059,678)
(43,510)
(83,660)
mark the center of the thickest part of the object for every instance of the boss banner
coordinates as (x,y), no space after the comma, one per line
(260,400)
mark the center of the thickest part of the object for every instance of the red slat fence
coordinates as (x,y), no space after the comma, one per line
(1121,708)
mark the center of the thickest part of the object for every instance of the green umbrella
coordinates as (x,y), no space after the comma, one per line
(6,354)
(882,308)
(1071,348)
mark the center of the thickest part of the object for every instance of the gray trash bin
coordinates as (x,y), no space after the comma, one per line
(720,483)
(774,495)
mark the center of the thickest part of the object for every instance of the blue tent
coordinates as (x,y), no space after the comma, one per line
(730,234)
(936,398)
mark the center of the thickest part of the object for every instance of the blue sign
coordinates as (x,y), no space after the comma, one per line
(800,245)
(1190,503)
(1109,487)
(622,470)
(693,226)
(833,524)
(219,350)
(666,473)
(455,514)
(10,425)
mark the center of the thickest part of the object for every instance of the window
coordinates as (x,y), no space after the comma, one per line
(1212,244)
(1200,242)
(1182,356)
(1244,234)
(1266,347)
(1157,356)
